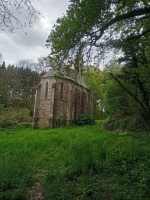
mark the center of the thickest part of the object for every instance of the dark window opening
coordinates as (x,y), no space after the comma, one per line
(61,91)
(46,91)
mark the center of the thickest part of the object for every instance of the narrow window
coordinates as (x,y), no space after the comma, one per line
(46,91)
(61,91)
(83,102)
(79,97)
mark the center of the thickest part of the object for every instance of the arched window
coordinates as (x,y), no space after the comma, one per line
(46,91)
(61,91)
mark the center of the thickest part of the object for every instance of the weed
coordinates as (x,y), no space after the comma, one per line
(21,115)
(44,128)
(82,162)
(6,123)
(61,122)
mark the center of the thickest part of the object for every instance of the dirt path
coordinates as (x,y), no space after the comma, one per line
(35,192)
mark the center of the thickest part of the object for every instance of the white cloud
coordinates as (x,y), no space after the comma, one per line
(18,45)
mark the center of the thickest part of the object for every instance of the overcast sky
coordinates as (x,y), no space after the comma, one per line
(17,46)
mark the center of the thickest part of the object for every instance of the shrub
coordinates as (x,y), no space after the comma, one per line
(61,122)
(14,194)
(129,123)
(85,119)
(24,125)
(6,123)
(45,128)
(111,124)
(21,115)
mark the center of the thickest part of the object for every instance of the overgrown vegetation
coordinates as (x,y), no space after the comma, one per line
(61,122)
(100,27)
(14,116)
(6,123)
(82,162)
(127,124)
(18,85)
(97,80)
(84,119)
(85,162)
(124,101)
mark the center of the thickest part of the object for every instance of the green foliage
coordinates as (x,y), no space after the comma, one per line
(111,124)
(116,22)
(35,127)
(97,80)
(13,194)
(4,94)
(82,162)
(21,115)
(136,73)
(18,84)
(102,167)
(117,101)
(84,119)
(127,97)
(23,125)
(6,123)
(44,128)
(61,122)
(129,123)
(106,26)
(1,108)
(98,111)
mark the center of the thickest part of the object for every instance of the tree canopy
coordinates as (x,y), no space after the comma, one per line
(97,80)
(95,24)
(102,25)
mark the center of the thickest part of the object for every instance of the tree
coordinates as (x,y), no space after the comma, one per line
(11,11)
(4,94)
(103,25)
(19,84)
(27,63)
(118,102)
(3,65)
(97,80)
(42,65)
(136,72)
(94,24)
(1,57)
(28,79)
(133,79)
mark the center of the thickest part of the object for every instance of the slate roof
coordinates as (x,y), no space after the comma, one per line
(77,77)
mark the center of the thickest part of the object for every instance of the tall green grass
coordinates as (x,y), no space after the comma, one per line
(76,162)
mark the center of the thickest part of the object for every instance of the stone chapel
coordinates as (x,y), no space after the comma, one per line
(61,99)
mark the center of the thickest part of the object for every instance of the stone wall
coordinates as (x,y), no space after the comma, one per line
(60,101)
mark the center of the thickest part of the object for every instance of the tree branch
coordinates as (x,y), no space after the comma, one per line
(136,37)
(134,97)
(122,17)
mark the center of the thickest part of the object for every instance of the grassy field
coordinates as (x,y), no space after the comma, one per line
(74,163)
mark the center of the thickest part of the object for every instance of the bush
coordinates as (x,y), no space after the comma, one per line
(6,123)
(14,194)
(85,119)
(45,128)
(111,124)
(126,124)
(21,115)
(24,125)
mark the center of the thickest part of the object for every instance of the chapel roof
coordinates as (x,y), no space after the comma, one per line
(74,76)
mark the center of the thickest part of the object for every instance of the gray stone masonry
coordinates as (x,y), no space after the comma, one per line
(59,101)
